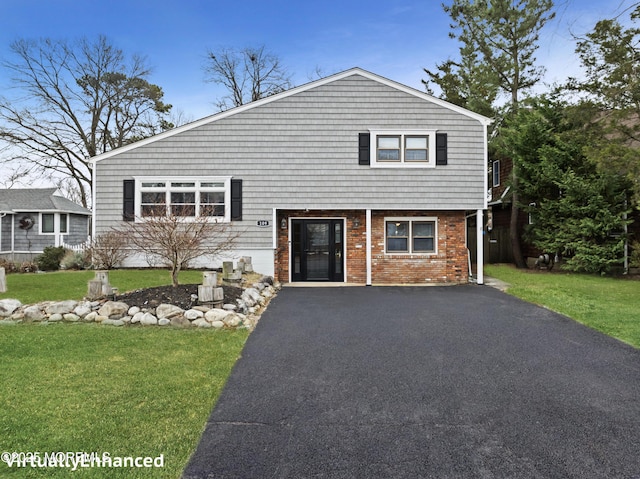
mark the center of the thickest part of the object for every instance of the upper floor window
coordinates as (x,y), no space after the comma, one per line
(403,149)
(495,167)
(184,197)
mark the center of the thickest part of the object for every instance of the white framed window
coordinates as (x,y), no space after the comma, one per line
(417,235)
(54,223)
(403,148)
(187,197)
(495,169)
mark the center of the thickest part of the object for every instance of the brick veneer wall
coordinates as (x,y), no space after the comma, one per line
(449,265)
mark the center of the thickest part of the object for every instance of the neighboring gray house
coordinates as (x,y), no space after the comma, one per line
(353,178)
(34,218)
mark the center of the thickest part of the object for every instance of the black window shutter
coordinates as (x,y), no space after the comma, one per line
(441,148)
(236,200)
(129,200)
(364,142)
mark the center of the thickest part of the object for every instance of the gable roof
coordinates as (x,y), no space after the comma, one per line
(302,88)
(37,199)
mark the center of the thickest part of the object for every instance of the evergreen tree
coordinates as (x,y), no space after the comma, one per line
(577,209)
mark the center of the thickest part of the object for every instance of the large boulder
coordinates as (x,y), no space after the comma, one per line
(33,313)
(61,307)
(8,306)
(168,311)
(114,309)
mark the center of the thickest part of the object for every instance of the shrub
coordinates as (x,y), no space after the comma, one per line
(108,250)
(50,258)
(9,266)
(74,260)
(28,267)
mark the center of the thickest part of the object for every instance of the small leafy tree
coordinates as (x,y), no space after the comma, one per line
(176,240)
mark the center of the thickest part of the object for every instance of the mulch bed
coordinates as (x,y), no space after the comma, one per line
(179,296)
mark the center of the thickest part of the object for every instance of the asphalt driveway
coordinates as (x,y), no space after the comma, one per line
(438,382)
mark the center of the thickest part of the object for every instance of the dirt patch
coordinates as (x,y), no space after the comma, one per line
(179,296)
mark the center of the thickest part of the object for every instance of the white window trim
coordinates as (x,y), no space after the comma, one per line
(495,170)
(56,223)
(198,180)
(411,220)
(431,158)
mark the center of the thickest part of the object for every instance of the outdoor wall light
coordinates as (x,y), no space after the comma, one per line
(283,224)
(356,222)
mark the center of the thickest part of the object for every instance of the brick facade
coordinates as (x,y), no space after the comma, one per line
(448,265)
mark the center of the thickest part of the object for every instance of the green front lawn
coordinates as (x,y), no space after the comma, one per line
(128,392)
(125,391)
(60,285)
(610,305)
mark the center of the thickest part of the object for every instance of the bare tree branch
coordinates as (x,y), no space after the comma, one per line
(75,101)
(248,75)
(176,240)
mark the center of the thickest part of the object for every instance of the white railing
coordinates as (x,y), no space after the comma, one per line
(77,247)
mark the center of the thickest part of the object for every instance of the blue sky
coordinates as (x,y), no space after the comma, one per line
(395,39)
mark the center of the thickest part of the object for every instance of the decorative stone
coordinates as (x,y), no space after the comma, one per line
(137,317)
(201,323)
(55,317)
(71,318)
(180,321)
(148,319)
(267,280)
(90,317)
(229,307)
(8,306)
(33,313)
(113,308)
(192,314)
(61,307)
(99,318)
(82,309)
(232,321)
(126,319)
(204,309)
(216,315)
(259,286)
(217,324)
(168,311)
(133,310)
(113,322)
(267,294)
(164,322)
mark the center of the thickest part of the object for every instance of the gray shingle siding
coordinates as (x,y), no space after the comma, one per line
(301,151)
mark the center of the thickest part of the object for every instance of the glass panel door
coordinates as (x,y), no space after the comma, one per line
(317,251)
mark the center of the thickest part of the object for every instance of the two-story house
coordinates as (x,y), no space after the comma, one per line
(353,178)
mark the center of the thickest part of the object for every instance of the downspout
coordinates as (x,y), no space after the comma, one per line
(480,246)
(368,252)
(13,237)
(94,167)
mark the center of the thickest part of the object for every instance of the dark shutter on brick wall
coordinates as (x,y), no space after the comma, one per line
(364,144)
(236,200)
(128,200)
(441,148)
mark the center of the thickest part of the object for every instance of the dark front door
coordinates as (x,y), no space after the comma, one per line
(317,250)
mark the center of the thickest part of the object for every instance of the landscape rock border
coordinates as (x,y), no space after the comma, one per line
(242,315)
